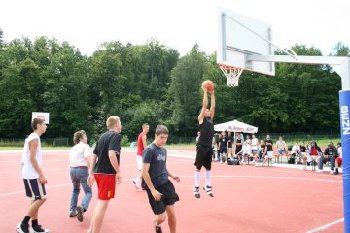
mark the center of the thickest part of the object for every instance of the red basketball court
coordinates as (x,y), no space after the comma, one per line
(247,198)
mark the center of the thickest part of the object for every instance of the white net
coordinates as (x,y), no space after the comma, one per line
(232,74)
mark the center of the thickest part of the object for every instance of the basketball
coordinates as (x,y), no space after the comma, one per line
(209,85)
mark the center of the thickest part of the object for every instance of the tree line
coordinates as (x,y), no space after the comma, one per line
(153,83)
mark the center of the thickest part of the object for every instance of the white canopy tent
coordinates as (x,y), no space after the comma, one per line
(236,126)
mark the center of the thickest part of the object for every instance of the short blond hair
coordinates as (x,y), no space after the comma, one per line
(112,122)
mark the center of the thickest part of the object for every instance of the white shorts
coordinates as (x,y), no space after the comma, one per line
(139,162)
(269,154)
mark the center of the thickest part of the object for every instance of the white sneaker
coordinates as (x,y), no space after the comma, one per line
(256,165)
(331,172)
(137,183)
(319,171)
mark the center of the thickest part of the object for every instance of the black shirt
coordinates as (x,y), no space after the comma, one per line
(206,130)
(110,140)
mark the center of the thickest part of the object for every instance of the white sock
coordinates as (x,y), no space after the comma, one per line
(207,178)
(196,178)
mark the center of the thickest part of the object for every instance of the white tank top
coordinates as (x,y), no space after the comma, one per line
(28,171)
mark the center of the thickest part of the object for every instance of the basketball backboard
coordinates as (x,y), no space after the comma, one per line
(240,36)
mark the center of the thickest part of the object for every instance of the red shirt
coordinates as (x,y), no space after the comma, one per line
(140,147)
(314,151)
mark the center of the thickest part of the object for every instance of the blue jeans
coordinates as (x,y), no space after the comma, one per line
(79,176)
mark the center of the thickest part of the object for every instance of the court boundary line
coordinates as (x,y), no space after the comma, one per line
(326,226)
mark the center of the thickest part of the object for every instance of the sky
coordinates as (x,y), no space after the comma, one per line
(177,24)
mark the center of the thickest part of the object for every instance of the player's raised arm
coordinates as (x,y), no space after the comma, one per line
(212,104)
(204,105)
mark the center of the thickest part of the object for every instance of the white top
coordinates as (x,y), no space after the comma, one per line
(340,153)
(28,171)
(255,144)
(78,155)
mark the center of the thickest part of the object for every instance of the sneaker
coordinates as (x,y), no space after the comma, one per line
(256,165)
(22,228)
(319,171)
(38,229)
(331,172)
(137,182)
(80,214)
(158,229)
(209,190)
(72,214)
(336,172)
(196,192)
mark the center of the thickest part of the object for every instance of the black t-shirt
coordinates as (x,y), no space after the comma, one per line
(268,147)
(238,147)
(331,151)
(110,140)
(223,142)
(156,157)
(206,130)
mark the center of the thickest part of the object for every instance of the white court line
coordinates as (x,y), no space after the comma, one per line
(324,227)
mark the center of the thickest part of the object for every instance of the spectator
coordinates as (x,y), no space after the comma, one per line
(330,154)
(339,159)
(316,155)
(229,145)
(261,152)
(238,143)
(255,147)
(244,153)
(223,147)
(281,148)
(295,153)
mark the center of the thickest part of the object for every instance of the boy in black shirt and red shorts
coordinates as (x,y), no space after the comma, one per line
(105,164)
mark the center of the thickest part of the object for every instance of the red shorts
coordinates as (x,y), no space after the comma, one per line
(105,185)
(339,161)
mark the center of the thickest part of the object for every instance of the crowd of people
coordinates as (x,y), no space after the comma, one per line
(235,150)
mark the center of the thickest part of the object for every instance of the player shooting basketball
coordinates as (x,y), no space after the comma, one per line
(204,145)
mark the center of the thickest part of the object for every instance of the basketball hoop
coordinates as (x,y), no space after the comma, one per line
(232,74)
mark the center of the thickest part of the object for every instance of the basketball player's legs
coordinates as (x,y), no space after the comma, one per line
(98,216)
(106,191)
(138,180)
(170,210)
(207,164)
(198,164)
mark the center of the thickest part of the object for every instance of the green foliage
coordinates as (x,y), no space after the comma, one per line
(152,83)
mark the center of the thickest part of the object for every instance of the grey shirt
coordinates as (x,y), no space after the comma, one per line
(156,157)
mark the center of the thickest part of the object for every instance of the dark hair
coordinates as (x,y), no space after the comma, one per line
(78,136)
(161,129)
(37,121)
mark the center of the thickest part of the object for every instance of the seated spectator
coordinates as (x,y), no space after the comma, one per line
(330,154)
(261,153)
(244,153)
(339,159)
(255,147)
(316,155)
(295,153)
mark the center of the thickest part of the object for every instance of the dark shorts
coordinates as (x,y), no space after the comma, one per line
(238,149)
(105,185)
(34,189)
(168,198)
(203,157)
